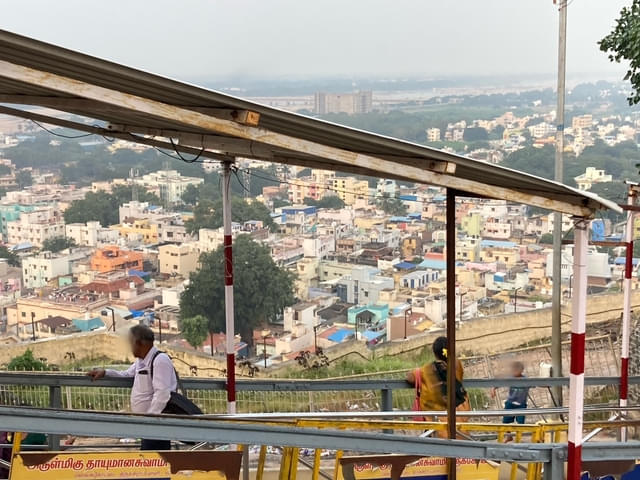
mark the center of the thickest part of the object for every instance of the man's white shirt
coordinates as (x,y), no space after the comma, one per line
(150,395)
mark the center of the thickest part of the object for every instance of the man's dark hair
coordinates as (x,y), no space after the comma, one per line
(439,347)
(142,334)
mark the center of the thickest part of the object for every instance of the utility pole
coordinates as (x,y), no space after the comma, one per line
(556,319)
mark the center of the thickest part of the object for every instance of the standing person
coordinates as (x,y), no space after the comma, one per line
(154,378)
(432,383)
(517,397)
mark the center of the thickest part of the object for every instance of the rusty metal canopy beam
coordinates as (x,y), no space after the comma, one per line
(37,73)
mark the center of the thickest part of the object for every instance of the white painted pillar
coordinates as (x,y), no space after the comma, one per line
(578,329)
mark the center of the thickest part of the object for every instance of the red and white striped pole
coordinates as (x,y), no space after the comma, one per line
(578,329)
(626,311)
(228,288)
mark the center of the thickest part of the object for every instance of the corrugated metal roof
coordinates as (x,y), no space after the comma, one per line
(55,63)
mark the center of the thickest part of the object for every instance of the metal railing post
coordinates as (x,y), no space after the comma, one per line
(55,401)
(386,404)
(554,468)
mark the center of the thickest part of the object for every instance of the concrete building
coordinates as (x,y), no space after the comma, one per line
(169,185)
(363,286)
(419,279)
(319,246)
(582,121)
(11,213)
(111,258)
(177,259)
(40,269)
(36,226)
(68,303)
(138,230)
(433,135)
(590,176)
(91,234)
(350,103)
(350,189)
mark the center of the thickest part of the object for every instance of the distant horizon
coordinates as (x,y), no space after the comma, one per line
(281,39)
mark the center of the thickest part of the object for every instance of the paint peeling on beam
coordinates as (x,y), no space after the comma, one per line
(193,118)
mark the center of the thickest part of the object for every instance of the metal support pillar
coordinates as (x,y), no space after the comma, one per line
(556,317)
(626,311)
(578,329)
(55,401)
(451,323)
(228,288)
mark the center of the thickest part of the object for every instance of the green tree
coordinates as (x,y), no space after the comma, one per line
(262,289)
(194,330)
(208,214)
(614,191)
(124,194)
(57,244)
(5,170)
(475,134)
(392,206)
(328,201)
(24,178)
(95,206)
(27,363)
(546,238)
(280,202)
(190,195)
(622,45)
(12,258)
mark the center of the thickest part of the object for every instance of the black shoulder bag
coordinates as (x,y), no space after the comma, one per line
(178,403)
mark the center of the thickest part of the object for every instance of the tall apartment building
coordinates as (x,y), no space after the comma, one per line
(582,121)
(35,227)
(349,189)
(11,213)
(169,185)
(433,134)
(350,103)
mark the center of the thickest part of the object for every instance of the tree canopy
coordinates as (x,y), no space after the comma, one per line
(392,206)
(12,258)
(57,244)
(262,289)
(328,201)
(622,44)
(194,330)
(475,134)
(208,214)
(103,207)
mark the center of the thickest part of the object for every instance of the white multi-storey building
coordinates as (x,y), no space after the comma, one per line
(35,227)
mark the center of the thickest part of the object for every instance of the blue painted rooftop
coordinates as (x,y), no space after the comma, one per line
(340,335)
(433,264)
(399,219)
(405,266)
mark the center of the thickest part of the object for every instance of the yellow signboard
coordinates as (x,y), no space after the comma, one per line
(133,465)
(392,467)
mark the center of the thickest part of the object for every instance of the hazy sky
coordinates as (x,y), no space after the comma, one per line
(196,39)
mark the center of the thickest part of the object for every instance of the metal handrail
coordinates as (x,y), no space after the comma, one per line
(279,385)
